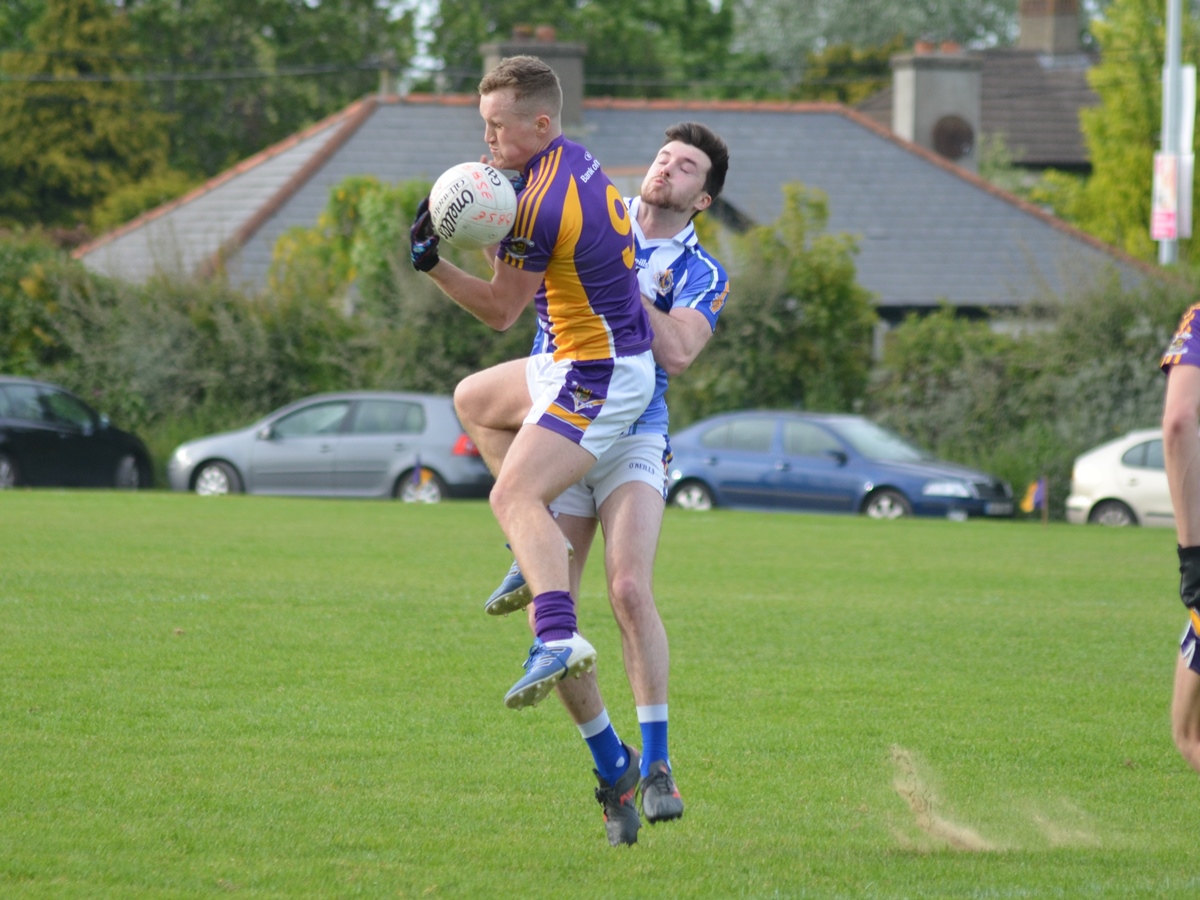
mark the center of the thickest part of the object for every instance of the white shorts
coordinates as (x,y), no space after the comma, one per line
(592,402)
(632,457)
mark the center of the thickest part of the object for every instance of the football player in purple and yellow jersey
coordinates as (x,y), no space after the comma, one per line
(684,289)
(1181,450)
(541,423)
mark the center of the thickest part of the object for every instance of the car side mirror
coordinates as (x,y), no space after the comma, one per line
(838,455)
(266,433)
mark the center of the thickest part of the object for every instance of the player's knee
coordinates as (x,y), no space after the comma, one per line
(631,596)
(467,401)
(500,499)
(508,495)
(1187,738)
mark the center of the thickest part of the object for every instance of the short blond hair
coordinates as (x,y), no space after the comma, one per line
(533,83)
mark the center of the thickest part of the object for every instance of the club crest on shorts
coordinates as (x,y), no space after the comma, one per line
(583,399)
(1177,343)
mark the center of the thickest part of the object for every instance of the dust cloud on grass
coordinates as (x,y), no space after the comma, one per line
(1063,826)
(913,789)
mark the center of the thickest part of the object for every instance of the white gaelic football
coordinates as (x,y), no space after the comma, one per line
(472,205)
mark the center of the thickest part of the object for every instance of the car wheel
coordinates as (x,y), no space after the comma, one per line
(887,504)
(694,495)
(1112,512)
(214,479)
(8,473)
(129,474)
(427,488)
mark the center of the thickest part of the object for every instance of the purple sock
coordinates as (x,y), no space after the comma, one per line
(554,616)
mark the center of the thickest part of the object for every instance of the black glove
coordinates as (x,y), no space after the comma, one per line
(423,239)
(1189,576)
(517,181)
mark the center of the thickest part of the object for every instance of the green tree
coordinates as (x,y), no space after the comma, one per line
(843,73)
(238,75)
(127,202)
(1122,133)
(16,17)
(29,337)
(785,32)
(943,378)
(798,328)
(75,130)
(644,48)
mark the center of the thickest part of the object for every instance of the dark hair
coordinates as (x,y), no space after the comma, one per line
(532,82)
(704,138)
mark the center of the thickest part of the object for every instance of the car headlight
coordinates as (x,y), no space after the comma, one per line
(948,488)
(181,457)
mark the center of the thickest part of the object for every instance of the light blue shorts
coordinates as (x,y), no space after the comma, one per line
(632,457)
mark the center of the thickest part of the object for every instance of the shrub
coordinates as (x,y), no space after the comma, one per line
(1068,375)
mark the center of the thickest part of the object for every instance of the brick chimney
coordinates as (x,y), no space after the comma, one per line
(565,59)
(937,100)
(1049,26)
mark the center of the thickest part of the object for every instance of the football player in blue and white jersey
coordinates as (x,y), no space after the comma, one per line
(684,290)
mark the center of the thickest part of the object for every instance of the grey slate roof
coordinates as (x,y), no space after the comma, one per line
(928,231)
(1032,99)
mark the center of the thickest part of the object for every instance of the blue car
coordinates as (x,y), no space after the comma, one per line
(816,462)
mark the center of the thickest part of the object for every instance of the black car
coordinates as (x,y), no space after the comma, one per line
(51,438)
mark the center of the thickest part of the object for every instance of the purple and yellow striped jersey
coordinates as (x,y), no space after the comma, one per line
(573,225)
(1185,345)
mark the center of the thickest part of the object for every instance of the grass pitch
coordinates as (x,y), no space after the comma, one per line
(290,698)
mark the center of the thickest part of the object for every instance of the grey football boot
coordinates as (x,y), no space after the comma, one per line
(660,796)
(621,819)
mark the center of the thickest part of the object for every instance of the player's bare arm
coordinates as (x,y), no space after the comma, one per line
(497,303)
(1181,450)
(679,336)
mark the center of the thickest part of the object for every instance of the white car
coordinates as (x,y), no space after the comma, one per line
(1122,482)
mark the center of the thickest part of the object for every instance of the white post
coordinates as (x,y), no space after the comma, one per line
(1168,249)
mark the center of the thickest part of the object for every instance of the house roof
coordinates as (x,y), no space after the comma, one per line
(928,231)
(1032,99)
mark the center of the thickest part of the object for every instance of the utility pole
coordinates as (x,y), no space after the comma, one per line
(1172,117)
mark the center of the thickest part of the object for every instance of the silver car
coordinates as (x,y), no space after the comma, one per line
(354,444)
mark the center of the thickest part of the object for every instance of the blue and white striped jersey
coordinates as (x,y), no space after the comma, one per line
(675,272)
(672,272)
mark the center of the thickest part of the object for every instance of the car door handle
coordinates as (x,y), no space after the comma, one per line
(782,467)
(400,448)
(326,448)
(710,461)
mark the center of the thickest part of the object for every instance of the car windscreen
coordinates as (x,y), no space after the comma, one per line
(876,442)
